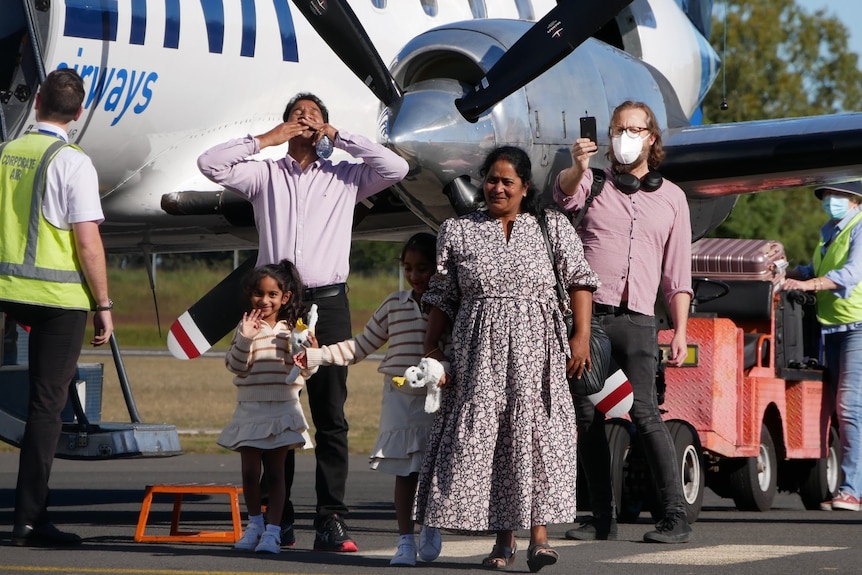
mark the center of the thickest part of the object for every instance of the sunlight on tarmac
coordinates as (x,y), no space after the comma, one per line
(703,556)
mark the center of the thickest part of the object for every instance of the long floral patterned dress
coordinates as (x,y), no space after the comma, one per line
(502,451)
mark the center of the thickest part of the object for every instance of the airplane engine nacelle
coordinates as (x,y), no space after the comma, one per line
(441,146)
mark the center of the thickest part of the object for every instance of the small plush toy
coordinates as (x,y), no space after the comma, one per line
(299,338)
(427,374)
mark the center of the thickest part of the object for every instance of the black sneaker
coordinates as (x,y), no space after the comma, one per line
(331,535)
(594,529)
(672,529)
(288,537)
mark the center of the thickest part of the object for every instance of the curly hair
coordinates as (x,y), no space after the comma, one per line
(287,277)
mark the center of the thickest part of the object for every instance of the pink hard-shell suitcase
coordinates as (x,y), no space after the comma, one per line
(738,259)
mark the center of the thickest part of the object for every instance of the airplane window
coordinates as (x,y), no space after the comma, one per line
(525,9)
(379,4)
(430,7)
(478,8)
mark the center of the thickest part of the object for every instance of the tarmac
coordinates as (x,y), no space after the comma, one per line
(101,501)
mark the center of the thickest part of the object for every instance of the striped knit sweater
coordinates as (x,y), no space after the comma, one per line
(262,363)
(399,320)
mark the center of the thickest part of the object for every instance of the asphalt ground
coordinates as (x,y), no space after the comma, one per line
(101,502)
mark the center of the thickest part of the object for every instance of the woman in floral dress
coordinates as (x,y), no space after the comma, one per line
(501,456)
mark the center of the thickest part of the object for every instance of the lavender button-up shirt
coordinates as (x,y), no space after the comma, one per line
(634,241)
(305,216)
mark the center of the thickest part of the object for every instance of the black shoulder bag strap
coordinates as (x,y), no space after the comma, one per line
(568,315)
(595,190)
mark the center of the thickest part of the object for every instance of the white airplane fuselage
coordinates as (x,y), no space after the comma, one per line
(165,80)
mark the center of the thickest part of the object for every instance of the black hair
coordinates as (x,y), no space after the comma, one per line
(287,277)
(424,244)
(61,95)
(532,202)
(311,98)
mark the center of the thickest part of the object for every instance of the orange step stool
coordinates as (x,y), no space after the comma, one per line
(177,536)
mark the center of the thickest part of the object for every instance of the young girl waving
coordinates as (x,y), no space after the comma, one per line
(268,420)
(404,425)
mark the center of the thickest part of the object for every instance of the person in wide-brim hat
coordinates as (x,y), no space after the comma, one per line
(833,276)
(854,188)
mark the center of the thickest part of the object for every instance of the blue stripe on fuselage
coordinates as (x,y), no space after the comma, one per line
(139,22)
(289,52)
(214,17)
(86,21)
(249,28)
(99,21)
(172,24)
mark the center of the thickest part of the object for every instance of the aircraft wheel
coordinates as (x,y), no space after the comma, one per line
(820,480)
(689,456)
(754,481)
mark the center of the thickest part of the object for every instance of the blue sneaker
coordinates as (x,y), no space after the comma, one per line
(430,543)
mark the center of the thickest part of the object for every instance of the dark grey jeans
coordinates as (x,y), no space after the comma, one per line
(634,347)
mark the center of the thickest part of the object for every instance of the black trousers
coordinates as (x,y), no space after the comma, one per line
(327,393)
(634,347)
(56,336)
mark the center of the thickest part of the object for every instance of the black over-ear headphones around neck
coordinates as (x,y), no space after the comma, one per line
(629,184)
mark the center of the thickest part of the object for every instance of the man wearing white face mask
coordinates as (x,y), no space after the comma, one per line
(636,236)
(834,276)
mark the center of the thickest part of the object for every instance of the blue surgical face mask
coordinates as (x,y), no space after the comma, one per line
(837,207)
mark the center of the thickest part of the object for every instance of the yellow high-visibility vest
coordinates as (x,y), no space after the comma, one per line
(38,261)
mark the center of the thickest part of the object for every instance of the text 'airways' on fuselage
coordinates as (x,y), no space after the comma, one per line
(121,89)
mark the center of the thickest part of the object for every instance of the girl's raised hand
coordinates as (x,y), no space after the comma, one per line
(312,341)
(250,325)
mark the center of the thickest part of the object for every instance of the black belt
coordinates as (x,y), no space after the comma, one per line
(603,309)
(321,292)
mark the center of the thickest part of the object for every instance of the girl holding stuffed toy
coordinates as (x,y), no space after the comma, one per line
(268,420)
(404,424)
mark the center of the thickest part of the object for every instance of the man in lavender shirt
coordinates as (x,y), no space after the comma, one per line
(636,236)
(303,210)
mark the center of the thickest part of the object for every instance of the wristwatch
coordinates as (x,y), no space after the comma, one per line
(108,307)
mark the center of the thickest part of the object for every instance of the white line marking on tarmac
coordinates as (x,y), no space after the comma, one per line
(720,554)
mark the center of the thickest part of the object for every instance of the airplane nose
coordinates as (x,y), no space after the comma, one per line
(440,146)
(426,122)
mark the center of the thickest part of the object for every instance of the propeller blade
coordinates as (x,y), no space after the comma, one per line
(547,42)
(339,27)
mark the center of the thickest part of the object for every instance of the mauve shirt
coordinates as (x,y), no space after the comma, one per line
(306,217)
(634,240)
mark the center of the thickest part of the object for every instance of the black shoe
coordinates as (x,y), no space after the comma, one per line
(331,535)
(672,529)
(44,535)
(288,537)
(594,529)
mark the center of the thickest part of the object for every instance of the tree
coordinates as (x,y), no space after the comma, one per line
(370,257)
(780,61)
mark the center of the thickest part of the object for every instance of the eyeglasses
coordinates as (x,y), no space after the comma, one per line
(631,132)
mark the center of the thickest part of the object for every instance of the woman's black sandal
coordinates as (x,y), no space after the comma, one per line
(539,555)
(500,557)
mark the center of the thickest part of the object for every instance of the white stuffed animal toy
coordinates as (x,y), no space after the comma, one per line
(427,374)
(299,338)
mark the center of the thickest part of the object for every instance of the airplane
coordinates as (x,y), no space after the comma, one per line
(166,80)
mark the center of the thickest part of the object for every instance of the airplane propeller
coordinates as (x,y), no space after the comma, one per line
(339,27)
(547,42)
